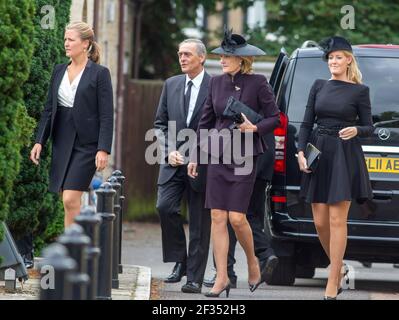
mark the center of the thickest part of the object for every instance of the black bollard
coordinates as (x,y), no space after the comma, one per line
(76,241)
(55,269)
(115,246)
(90,222)
(105,208)
(121,180)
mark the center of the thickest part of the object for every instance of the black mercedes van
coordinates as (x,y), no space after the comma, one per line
(373,227)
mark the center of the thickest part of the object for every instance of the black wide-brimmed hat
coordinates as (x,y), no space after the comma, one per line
(334,44)
(235,45)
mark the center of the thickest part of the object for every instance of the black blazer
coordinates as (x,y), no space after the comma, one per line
(171,108)
(92,111)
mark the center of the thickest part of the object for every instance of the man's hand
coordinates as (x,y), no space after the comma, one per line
(192,170)
(35,153)
(101,160)
(175,159)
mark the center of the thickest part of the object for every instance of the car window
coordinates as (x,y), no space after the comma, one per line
(382,77)
(380,74)
(306,72)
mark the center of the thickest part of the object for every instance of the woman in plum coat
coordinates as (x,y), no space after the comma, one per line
(228,189)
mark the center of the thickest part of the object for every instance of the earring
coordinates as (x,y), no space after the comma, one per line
(84,50)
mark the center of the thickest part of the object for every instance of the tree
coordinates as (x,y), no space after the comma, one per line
(160,30)
(297,21)
(16,29)
(34,209)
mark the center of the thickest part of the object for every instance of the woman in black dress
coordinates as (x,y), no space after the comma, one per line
(228,191)
(78,116)
(341,175)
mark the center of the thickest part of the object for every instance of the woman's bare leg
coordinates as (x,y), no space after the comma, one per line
(243,233)
(338,240)
(220,243)
(72,203)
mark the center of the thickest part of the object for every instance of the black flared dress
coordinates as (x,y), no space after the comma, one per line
(341,174)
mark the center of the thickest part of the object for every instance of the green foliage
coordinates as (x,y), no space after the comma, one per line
(16,29)
(161,32)
(34,209)
(298,21)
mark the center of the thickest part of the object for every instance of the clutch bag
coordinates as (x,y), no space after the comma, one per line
(312,155)
(234,108)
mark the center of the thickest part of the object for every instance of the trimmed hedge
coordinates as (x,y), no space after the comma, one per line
(33,208)
(16,48)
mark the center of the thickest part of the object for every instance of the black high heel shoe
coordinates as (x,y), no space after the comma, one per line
(211,294)
(253,287)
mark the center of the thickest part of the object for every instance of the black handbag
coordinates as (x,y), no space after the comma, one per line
(234,108)
(312,155)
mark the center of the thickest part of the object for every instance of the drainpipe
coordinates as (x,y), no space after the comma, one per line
(96,16)
(120,88)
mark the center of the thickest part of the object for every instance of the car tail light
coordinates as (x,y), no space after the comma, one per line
(280,135)
(280,199)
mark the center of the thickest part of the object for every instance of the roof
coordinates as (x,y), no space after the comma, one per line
(366,50)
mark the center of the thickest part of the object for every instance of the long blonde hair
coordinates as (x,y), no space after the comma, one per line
(353,72)
(86,33)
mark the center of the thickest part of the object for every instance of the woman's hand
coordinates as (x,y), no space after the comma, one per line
(192,170)
(35,153)
(348,133)
(303,166)
(101,160)
(247,125)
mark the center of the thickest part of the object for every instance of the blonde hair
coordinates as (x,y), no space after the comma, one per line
(86,33)
(353,72)
(246,65)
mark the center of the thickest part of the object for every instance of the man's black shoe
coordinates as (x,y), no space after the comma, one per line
(211,281)
(267,267)
(179,270)
(191,287)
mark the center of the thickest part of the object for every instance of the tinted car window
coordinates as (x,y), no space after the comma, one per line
(380,74)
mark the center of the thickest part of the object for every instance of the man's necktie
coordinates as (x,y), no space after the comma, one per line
(187,97)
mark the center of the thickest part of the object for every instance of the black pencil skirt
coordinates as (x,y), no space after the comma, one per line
(72,163)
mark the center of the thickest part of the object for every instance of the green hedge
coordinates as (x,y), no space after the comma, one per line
(16,48)
(34,209)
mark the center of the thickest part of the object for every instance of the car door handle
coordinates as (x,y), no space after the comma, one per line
(382,196)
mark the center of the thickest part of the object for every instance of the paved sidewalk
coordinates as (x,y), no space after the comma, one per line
(134,284)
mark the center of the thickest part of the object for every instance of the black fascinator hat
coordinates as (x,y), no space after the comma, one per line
(335,43)
(235,45)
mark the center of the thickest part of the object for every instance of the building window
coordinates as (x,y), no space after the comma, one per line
(256,14)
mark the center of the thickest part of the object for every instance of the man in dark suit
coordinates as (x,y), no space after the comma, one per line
(255,216)
(180,105)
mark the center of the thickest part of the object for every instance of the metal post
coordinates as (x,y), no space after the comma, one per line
(121,180)
(90,222)
(115,252)
(105,208)
(77,242)
(55,268)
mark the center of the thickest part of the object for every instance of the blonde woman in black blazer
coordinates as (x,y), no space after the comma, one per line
(78,117)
